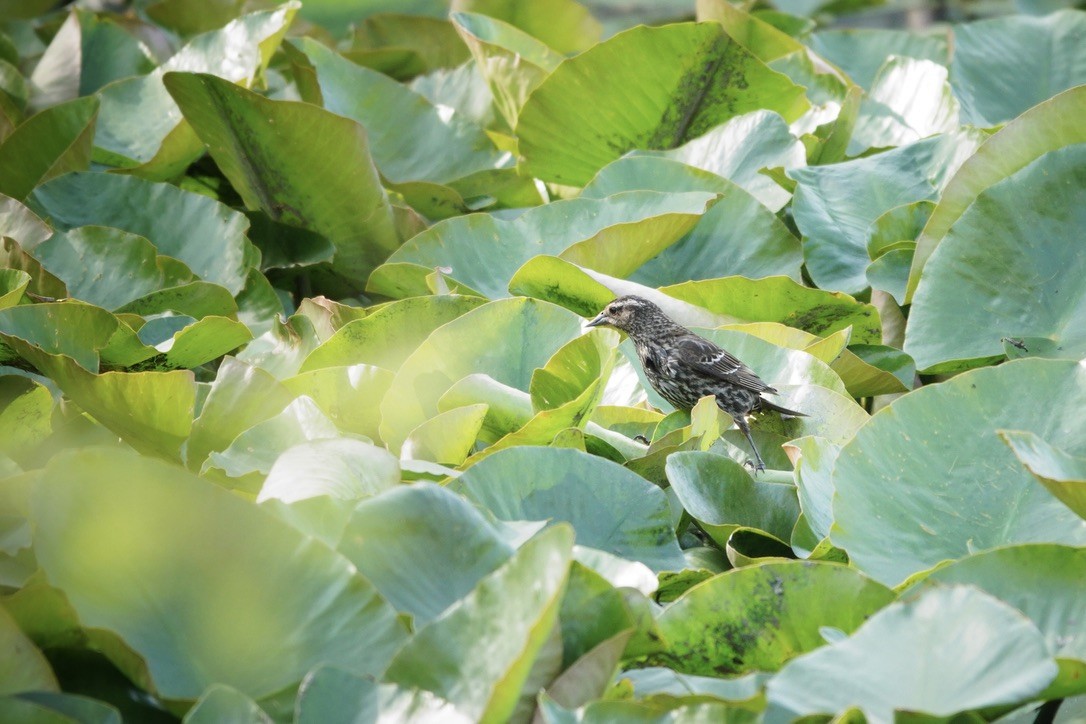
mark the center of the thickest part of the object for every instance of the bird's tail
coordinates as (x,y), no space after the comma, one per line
(767,405)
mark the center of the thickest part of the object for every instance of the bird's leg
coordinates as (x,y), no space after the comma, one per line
(741,422)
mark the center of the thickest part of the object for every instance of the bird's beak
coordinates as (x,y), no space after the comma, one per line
(599,319)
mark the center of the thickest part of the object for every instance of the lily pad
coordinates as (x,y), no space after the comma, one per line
(1009,267)
(758,617)
(953,488)
(587,112)
(588,492)
(1046,127)
(478,654)
(1064,475)
(997,658)
(834,205)
(615,235)
(98,531)
(343,202)
(49,144)
(507,340)
(737,235)
(1005,66)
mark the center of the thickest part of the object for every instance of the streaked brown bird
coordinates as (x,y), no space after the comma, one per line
(684,367)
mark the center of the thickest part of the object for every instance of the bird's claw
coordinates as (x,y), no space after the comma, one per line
(757,467)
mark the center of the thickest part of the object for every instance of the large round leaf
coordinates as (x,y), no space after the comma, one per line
(197,567)
(613,235)
(507,340)
(140,126)
(739,149)
(424,547)
(52,143)
(860,52)
(297,163)
(1046,127)
(610,508)
(1011,266)
(513,62)
(1064,475)
(1046,582)
(409,138)
(928,479)
(386,337)
(985,654)
(758,617)
(834,205)
(207,236)
(649,88)
(479,653)
(1005,66)
(720,494)
(736,236)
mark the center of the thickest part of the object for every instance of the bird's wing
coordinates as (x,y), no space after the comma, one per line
(705,357)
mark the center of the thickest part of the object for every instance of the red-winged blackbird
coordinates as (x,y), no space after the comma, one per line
(684,367)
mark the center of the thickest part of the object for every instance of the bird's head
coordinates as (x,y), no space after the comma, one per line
(630,314)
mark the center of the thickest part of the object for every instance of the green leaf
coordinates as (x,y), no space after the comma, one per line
(909,100)
(736,236)
(506,339)
(21,224)
(758,617)
(22,665)
(1005,66)
(409,138)
(240,397)
(446,438)
(203,341)
(478,654)
(349,396)
(861,52)
(109,521)
(929,472)
(101,265)
(340,468)
(26,409)
(331,188)
(49,144)
(13,282)
(738,149)
(446,543)
(1064,475)
(1045,128)
(207,236)
(779,299)
(658,681)
(76,330)
(610,508)
(1009,267)
(224,703)
(390,334)
(249,458)
(649,88)
(834,205)
(151,411)
(512,61)
(140,126)
(564,25)
(721,495)
(988,655)
(586,678)
(1042,581)
(87,52)
(403,46)
(482,252)
(814,458)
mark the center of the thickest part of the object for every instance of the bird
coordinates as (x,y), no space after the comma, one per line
(684,367)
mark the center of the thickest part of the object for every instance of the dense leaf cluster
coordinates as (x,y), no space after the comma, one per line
(299,420)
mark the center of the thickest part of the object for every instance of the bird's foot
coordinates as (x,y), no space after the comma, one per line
(757,467)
